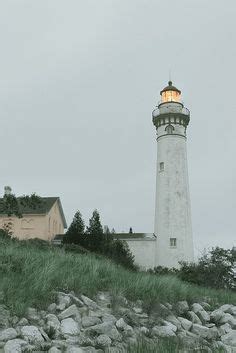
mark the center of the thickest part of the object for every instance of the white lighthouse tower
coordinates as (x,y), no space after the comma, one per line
(173,214)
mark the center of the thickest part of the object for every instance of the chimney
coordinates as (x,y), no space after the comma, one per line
(7,190)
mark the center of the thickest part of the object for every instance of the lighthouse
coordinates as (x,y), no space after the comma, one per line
(172,228)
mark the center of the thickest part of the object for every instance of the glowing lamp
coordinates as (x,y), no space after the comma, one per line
(170,94)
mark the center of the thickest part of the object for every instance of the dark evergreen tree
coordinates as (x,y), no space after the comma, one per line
(77,225)
(95,227)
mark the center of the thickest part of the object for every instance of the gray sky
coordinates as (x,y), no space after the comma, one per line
(78,82)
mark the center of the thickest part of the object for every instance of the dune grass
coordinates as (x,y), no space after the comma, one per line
(29,276)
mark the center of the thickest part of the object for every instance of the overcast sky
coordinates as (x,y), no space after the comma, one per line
(78,82)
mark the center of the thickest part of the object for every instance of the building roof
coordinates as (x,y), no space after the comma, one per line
(170,87)
(42,208)
(134,236)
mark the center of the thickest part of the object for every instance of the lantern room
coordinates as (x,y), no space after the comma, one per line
(170,94)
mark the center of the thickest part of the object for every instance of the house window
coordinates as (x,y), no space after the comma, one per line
(161,167)
(173,242)
(169,129)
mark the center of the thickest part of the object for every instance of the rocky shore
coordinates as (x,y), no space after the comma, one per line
(77,324)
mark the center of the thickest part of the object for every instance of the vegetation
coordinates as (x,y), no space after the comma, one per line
(30,275)
(98,241)
(214,269)
(12,205)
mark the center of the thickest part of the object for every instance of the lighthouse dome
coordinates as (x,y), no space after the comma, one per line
(170,93)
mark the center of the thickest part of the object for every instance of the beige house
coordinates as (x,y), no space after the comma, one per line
(43,222)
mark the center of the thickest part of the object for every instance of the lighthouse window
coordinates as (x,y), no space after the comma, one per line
(161,167)
(169,129)
(173,242)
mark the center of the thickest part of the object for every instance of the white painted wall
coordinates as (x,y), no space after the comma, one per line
(144,251)
(173,210)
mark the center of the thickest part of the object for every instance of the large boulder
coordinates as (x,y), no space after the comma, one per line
(162,331)
(203,316)
(193,317)
(64,301)
(52,322)
(196,307)
(229,338)
(88,321)
(69,327)
(8,334)
(223,329)
(70,311)
(228,318)
(89,302)
(103,341)
(182,307)
(200,330)
(216,315)
(186,324)
(14,346)
(32,334)
(174,321)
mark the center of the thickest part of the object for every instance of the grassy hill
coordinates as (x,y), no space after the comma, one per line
(30,273)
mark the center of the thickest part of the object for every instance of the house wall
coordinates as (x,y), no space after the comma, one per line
(36,226)
(144,251)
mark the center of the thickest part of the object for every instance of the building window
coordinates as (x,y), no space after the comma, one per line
(173,242)
(169,129)
(161,167)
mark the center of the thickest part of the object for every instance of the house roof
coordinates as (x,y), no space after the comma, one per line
(42,208)
(134,236)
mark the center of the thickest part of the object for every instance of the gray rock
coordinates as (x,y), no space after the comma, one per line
(103,341)
(54,350)
(23,322)
(196,307)
(216,315)
(144,330)
(162,331)
(105,328)
(88,321)
(32,334)
(186,324)
(193,317)
(89,302)
(69,327)
(226,307)
(174,321)
(70,311)
(213,333)
(108,317)
(32,315)
(14,320)
(137,310)
(229,338)
(74,350)
(121,324)
(8,334)
(52,308)
(14,346)
(76,300)
(128,331)
(232,310)
(203,316)
(228,318)
(199,330)
(206,306)
(52,322)
(223,329)
(182,307)
(170,325)
(64,301)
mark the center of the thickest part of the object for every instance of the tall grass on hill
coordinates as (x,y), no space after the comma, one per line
(30,275)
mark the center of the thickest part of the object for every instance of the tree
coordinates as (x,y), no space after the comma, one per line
(12,205)
(77,225)
(95,227)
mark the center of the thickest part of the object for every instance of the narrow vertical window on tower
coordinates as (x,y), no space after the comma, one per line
(169,129)
(173,242)
(161,167)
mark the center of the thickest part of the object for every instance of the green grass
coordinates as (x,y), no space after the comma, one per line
(30,275)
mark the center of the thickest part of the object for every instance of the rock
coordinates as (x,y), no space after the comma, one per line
(137,310)
(174,321)
(32,315)
(8,334)
(14,346)
(88,321)
(206,306)
(32,334)
(105,328)
(196,307)
(23,322)
(144,330)
(200,330)
(52,308)
(203,316)
(14,320)
(186,324)
(229,338)
(70,311)
(69,327)
(162,331)
(76,300)
(216,315)
(228,318)
(74,350)
(109,318)
(194,318)
(223,329)
(232,310)
(213,333)
(52,322)
(54,350)
(121,324)
(170,325)
(103,341)
(89,302)
(225,307)
(182,307)
(64,301)
(128,331)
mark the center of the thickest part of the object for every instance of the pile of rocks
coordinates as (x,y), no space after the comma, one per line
(77,324)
